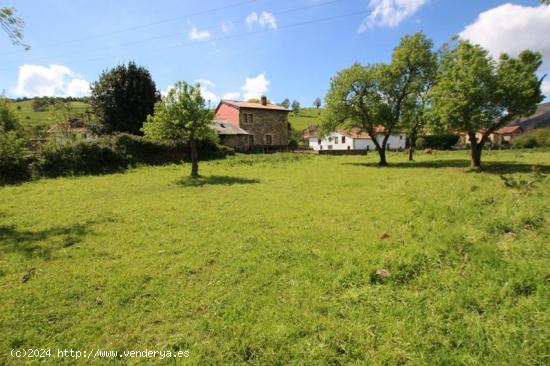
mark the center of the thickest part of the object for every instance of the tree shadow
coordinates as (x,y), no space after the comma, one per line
(32,243)
(491,167)
(214,180)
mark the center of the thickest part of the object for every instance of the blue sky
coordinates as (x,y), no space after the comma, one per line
(239,48)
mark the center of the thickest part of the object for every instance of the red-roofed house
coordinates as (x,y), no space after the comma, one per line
(499,137)
(355,139)
(266,123)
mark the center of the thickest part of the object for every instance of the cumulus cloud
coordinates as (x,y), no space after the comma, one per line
(227,26)
(54,80)
(255,87)
(264,20)
(511,29)
(198,35)
(390,13)
(231,96)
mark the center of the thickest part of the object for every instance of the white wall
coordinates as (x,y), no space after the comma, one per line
(334,142)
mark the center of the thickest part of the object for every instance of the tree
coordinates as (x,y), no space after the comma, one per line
(317,103)
(375,98)
(8,119)
(295,106)
(122,99)
(13,26)
(478,95)
(285,103)
(181,116)
(415,61)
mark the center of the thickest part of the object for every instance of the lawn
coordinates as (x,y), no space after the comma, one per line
(306,117)
(269,259)
(28,117)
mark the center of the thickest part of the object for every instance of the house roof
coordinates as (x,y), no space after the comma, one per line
(239,104)
(225,127)
(508,130)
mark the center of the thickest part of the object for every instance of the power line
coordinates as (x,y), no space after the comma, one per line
(155,38)
(142,26)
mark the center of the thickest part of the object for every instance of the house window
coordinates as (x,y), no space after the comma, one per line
(268,140)
(247,118)
(330,139)
(319,141)
(343,139)
(400,137)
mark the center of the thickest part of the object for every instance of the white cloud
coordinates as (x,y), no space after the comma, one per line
(227,26)
(55,80)
(255,87)
(264,19)
(197,35)
(390,13)
(231,96)
(546,88)
(205,82)
(511,29)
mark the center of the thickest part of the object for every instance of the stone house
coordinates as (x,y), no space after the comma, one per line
(267,125)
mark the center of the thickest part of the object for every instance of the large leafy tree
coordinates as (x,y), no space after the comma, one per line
(122,99)
(416,62)
(181,116)
(375,98)
(317,103)
(478,95)
(12,25)
(285,103)
(296,107)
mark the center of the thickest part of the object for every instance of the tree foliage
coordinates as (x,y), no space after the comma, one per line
(285,103)
(317,103)
(296,106)
(122,99)
(12,25)
(8,119)
(181,116)
(474,93)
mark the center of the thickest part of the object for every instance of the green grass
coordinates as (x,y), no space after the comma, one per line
(306,117)
(270,260)
(28,117)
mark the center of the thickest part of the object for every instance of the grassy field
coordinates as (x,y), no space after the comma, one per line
(28,117)
(306,117)
(270,260)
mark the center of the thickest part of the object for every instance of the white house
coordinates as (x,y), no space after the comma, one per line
(355,139)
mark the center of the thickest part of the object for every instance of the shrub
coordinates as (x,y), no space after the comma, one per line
(81,157)
(441,142)
(536,138)
(14,158)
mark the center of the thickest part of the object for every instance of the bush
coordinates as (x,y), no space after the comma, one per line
(14,158)
(536,138)
(81,157)
(440,142)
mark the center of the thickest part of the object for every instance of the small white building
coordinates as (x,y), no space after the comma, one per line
(354,139)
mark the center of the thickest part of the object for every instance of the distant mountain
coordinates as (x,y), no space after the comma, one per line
(541,119)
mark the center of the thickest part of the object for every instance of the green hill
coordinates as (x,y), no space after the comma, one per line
(306,117)
(28,117)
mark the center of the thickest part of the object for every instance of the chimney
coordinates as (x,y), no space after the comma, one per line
(264,100)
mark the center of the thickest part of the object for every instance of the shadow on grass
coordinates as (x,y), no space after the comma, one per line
(32,243)
(493,167)
(214,180)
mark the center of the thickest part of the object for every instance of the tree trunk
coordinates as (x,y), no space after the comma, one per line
(412,140)
(382,153)
(476,149)
(194,159)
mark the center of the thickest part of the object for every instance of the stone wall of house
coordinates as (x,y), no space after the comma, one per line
(241,143)
(266,122)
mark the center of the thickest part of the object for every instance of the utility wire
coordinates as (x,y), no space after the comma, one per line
(142,26)
(155,38)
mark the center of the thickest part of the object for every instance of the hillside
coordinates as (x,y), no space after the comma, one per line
(306,117)
(269,260)
(540,119)
(28,117)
